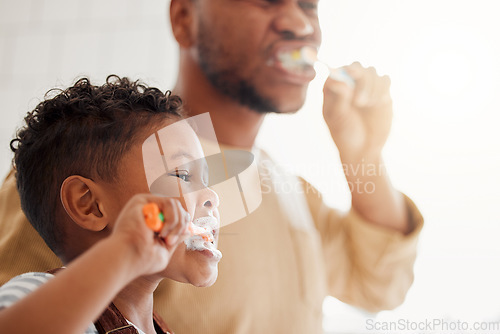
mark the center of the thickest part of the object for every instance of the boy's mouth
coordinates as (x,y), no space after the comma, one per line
(206,227)
(203,234)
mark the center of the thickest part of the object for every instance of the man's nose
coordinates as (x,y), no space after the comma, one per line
(292,22)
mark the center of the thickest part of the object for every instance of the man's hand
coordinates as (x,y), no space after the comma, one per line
(359,117)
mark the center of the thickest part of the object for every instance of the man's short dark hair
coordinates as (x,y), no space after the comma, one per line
(83,130)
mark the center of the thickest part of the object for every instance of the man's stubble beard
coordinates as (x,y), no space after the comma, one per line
(224,78)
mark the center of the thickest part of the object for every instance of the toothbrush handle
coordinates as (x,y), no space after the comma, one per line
(153,216)
(340,74)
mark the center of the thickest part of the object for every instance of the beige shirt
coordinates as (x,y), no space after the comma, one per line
(278,263)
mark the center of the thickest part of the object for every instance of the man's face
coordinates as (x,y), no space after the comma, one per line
(238,43)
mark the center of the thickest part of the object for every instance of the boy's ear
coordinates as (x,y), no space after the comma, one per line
(181,20)
(80,198)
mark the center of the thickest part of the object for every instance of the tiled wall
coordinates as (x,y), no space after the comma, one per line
(46,43)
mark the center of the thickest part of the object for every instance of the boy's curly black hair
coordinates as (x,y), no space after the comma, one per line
(83,130)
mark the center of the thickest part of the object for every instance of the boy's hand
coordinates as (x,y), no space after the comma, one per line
(91,281)
(154,250)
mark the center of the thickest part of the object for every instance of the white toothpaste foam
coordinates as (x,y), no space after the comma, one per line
(197,243)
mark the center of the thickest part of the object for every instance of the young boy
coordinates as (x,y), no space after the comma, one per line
(83,185)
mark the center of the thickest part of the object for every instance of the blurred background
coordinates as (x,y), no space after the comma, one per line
(443,57)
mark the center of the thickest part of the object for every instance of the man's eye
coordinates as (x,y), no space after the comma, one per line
(307,5)
(263,3)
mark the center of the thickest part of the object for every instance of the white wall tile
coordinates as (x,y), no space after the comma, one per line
(44,43)
(15,11)
(59,10)
(31,53)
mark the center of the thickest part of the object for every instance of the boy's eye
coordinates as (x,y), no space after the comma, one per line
(181,174)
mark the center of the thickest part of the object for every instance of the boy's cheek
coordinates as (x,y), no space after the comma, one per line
(178,263)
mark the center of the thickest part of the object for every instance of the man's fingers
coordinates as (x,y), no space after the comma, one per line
(365,87)
(371,89)
(338,97)
(380,92)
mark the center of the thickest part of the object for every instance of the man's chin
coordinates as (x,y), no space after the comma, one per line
(288,102)
(281,112)
(246,94)
(283,108)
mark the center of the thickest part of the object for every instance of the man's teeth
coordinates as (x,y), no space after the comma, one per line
(297,60)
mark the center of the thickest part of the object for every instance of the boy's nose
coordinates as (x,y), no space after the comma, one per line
(211,199)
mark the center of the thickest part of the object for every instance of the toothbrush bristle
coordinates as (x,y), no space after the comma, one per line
(309,54)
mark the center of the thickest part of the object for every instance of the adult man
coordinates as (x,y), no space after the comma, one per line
(278,263)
